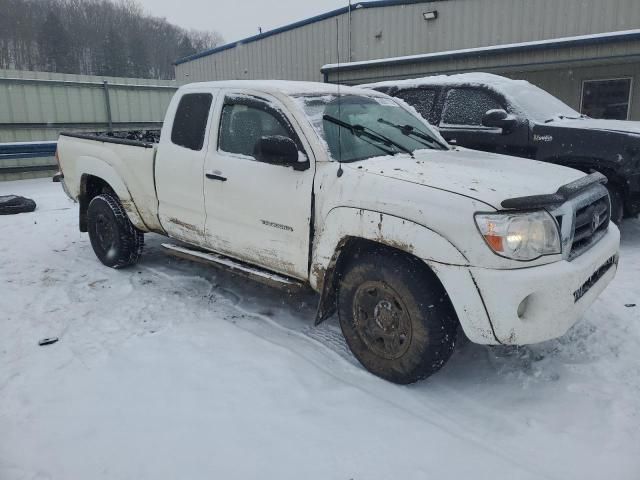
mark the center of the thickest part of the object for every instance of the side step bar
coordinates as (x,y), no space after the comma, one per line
(215,259)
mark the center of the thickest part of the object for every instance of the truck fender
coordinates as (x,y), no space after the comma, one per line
(343,224)
(101,169)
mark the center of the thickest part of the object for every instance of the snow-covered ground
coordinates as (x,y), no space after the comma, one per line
(174,370)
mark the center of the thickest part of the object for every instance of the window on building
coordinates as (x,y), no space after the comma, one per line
(467,106)
(607,98)
(190,121)
(422,99)
(242,126)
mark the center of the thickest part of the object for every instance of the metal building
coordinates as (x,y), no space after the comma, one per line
(586,52)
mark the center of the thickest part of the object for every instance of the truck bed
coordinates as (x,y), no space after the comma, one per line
(141,138)
(123,159)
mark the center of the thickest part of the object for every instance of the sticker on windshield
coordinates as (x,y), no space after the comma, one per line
(386,102)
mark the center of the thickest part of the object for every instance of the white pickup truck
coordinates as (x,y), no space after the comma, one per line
(352,193)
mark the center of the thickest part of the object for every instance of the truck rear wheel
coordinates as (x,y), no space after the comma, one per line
(115,241)
(396,316)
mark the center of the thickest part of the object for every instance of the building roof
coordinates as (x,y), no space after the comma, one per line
(301,23)
(577,41)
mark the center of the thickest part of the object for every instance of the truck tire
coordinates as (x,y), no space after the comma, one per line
(115,241)
(12,204)
(617,205)
(395,316)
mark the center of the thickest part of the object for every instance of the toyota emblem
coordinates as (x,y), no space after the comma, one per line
(595,221)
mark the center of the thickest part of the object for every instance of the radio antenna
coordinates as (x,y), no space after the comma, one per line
(340,171)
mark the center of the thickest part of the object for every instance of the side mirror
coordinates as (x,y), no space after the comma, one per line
(280,150)
(499,119)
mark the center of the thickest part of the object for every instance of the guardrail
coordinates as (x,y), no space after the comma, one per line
(9,152)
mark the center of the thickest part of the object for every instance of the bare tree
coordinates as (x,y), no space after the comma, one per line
(94,37)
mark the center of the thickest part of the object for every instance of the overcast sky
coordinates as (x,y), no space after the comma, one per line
(237,19)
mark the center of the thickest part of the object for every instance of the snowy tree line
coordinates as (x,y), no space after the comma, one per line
(93,37)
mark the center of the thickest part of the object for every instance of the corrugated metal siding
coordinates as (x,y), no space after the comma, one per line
(401,30)
(477,23)
(619,53)
(566,83)
(294,55)
(37,105)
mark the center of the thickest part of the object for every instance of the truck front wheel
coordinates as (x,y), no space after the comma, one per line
(396,316)
(115,241)
(617,205)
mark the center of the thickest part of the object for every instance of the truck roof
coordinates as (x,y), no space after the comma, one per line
(473,78)
(282,86)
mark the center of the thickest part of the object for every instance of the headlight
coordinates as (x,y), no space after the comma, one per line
(520,236)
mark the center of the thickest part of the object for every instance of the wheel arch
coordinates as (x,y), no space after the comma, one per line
(345,229)
(96,183)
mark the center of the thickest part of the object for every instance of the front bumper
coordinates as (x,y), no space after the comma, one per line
(530,305)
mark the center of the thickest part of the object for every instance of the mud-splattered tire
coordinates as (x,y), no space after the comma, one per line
(115,241)
(396,316)
(617,205)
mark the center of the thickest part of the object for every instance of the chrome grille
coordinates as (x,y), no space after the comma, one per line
(591,223)
(583,220)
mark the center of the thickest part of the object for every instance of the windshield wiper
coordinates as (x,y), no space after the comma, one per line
(362,131)
(408,130)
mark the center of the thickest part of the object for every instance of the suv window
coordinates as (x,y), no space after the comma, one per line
(190,122)
(422,99)
(467,106)
(242,125)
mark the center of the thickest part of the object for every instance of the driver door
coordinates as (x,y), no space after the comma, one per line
(256,212)
(461,122)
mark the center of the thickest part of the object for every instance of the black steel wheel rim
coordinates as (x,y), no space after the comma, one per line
(382,320)
(105,232)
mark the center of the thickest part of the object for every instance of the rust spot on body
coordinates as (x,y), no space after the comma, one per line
(318,273)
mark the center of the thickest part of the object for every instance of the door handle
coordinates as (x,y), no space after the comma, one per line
(213,176)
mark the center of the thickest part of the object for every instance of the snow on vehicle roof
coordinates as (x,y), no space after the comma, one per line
(283,86)
(523,96)
(474,78)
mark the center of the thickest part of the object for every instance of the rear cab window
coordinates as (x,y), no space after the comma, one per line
(190,121)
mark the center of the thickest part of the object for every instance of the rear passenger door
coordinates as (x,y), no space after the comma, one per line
(179,167)
(257,212)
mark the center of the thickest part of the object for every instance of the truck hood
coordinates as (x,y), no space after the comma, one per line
(618,126)
(489,178)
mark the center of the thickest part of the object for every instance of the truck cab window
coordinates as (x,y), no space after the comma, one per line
(190,121)
(422,99)
(467,106)
(241,127)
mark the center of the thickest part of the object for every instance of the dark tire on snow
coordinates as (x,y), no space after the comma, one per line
(115,241)
(396,316)
(617,205)
(12,204)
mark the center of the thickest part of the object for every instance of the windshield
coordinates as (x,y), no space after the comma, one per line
(539,104)
(357,127)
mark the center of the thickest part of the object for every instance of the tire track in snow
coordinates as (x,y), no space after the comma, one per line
(334,353)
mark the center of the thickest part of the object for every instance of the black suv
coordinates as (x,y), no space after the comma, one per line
(496,114)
